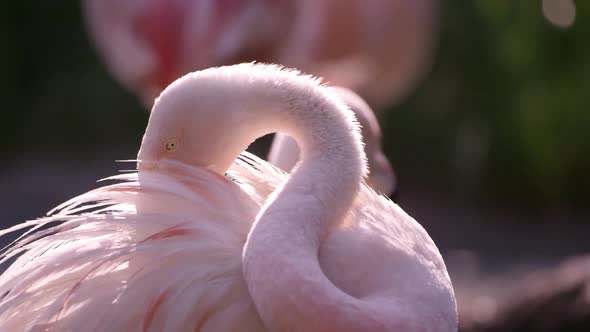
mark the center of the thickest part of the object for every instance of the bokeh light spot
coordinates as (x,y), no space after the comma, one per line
(561,13)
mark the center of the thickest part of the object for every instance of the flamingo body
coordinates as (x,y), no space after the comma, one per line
(168,271)
(183,244)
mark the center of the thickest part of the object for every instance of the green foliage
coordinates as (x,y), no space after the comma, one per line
(505,112)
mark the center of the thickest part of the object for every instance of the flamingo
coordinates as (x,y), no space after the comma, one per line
(284,152)
(197,240)
(378,48)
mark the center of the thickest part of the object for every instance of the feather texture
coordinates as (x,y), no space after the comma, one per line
(131,256)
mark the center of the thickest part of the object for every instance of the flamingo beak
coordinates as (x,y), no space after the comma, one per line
(147,166)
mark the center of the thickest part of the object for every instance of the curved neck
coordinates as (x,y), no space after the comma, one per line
(322,188)
(280,258)
(238,104)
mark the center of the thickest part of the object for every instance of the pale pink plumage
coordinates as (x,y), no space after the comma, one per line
(284,152)
(164,270)
(135,267)
(164,249)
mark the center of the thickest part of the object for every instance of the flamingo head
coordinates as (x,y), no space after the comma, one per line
(175,133)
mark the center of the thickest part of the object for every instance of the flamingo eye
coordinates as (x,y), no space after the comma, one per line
(171,145)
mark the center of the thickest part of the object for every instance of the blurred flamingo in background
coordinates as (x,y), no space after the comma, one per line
(179,246)
(378,48)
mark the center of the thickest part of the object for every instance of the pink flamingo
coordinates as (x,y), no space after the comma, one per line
(378,48)
(178,246)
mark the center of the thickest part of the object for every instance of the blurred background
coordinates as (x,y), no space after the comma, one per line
(491,148)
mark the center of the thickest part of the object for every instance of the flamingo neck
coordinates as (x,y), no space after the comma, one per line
(238,104)
(280,257)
